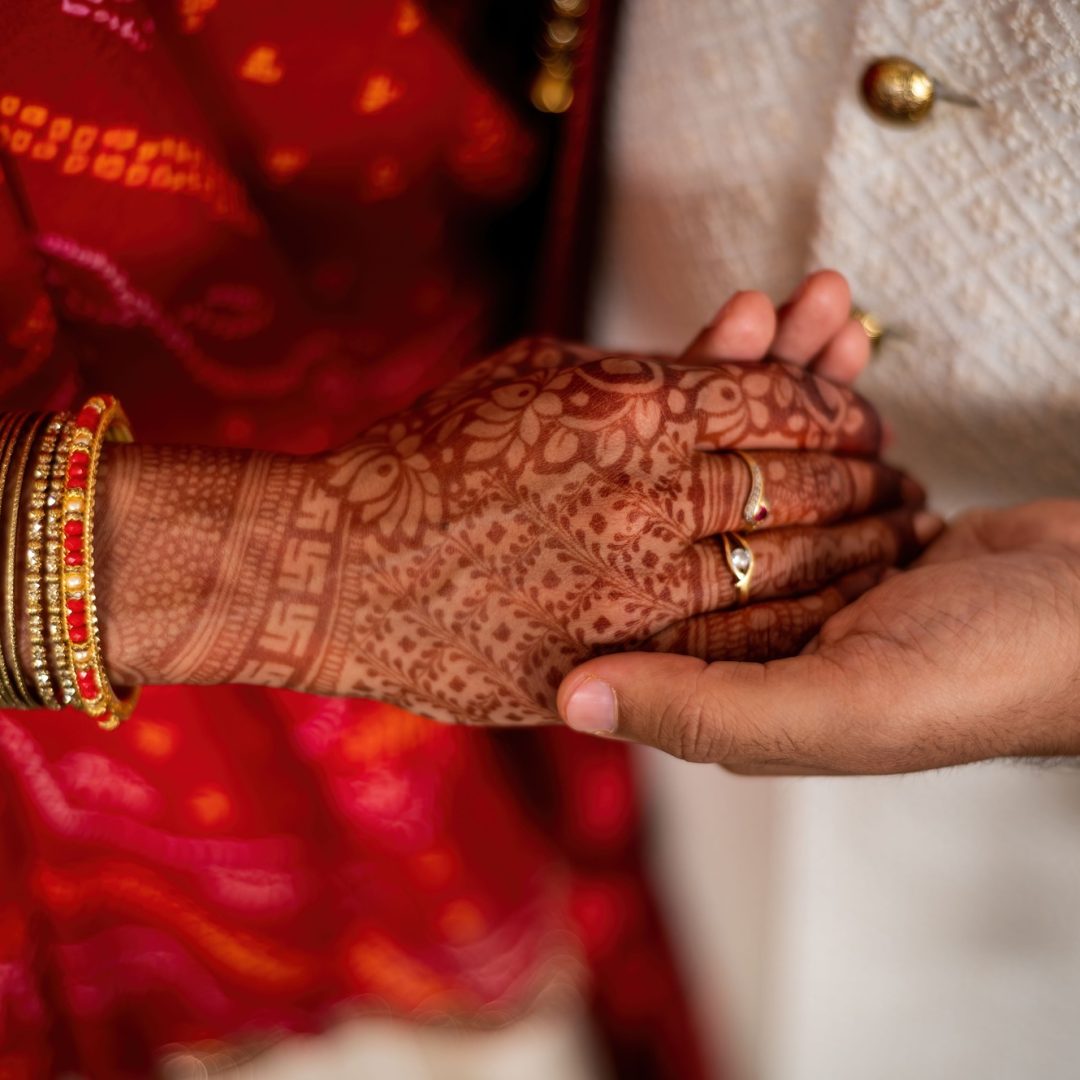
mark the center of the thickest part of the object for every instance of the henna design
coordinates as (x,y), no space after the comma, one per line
(762,631)
(187,551)
(460,557)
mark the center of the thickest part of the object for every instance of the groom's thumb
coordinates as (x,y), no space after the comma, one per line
(754,717)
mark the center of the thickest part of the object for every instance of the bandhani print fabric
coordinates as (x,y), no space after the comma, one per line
(267,225)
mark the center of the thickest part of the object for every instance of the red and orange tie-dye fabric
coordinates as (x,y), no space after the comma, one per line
(263,224)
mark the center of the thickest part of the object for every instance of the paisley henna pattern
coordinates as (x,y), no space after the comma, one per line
(460,557)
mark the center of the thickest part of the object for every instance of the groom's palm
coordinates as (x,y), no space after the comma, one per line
(970,654)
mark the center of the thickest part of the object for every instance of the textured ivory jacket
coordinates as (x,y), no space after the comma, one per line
(888,928)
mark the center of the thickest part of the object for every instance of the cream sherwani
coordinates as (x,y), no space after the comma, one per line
(882,929)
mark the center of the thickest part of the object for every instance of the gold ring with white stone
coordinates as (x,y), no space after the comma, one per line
(740,560)
(756,511)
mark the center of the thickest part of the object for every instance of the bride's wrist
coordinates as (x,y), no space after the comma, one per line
(195,551)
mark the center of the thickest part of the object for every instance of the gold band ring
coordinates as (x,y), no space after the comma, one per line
(756,511)
(740,560)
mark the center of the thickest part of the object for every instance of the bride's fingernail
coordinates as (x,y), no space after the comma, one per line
(591,708)
(927,526)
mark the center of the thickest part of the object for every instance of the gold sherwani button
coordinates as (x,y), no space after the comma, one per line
(898,89)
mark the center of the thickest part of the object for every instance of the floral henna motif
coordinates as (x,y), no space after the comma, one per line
(461,556)
(540,511)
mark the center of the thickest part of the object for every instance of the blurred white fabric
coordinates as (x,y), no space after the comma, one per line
(922,926)
(542,1047)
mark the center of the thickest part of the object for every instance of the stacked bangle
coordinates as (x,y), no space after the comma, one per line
(36,562)
(19,461)
(48,483)
(54,568)
(9,438)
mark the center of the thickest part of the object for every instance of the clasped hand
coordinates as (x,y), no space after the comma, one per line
(555,503)
(972,653)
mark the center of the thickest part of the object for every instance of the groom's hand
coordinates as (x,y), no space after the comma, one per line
(974,653)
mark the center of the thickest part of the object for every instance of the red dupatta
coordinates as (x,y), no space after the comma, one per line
(257,224)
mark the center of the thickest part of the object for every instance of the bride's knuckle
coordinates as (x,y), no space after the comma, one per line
(801,556)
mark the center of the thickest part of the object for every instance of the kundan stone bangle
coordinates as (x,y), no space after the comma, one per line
(99,419)
(37,560)
(54,569)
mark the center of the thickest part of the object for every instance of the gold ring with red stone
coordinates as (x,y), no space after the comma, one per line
(756,511)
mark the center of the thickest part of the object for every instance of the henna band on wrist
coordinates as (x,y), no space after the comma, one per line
(100,418)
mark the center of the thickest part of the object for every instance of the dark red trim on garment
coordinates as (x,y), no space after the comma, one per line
(572,230)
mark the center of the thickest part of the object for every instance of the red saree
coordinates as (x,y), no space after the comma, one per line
(266,225)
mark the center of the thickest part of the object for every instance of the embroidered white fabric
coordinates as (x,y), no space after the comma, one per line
(923,926)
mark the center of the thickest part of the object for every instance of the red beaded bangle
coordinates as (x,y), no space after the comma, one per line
(99,419)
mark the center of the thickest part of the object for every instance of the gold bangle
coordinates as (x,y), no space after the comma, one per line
(101,418)
(36,561)
(21,458)
(13,424)
(54,567)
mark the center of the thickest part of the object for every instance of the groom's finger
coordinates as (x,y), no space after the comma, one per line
(742,330)
(788,713)
(845,357)
(812,317)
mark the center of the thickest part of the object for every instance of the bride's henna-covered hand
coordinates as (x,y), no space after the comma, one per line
(458,559)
